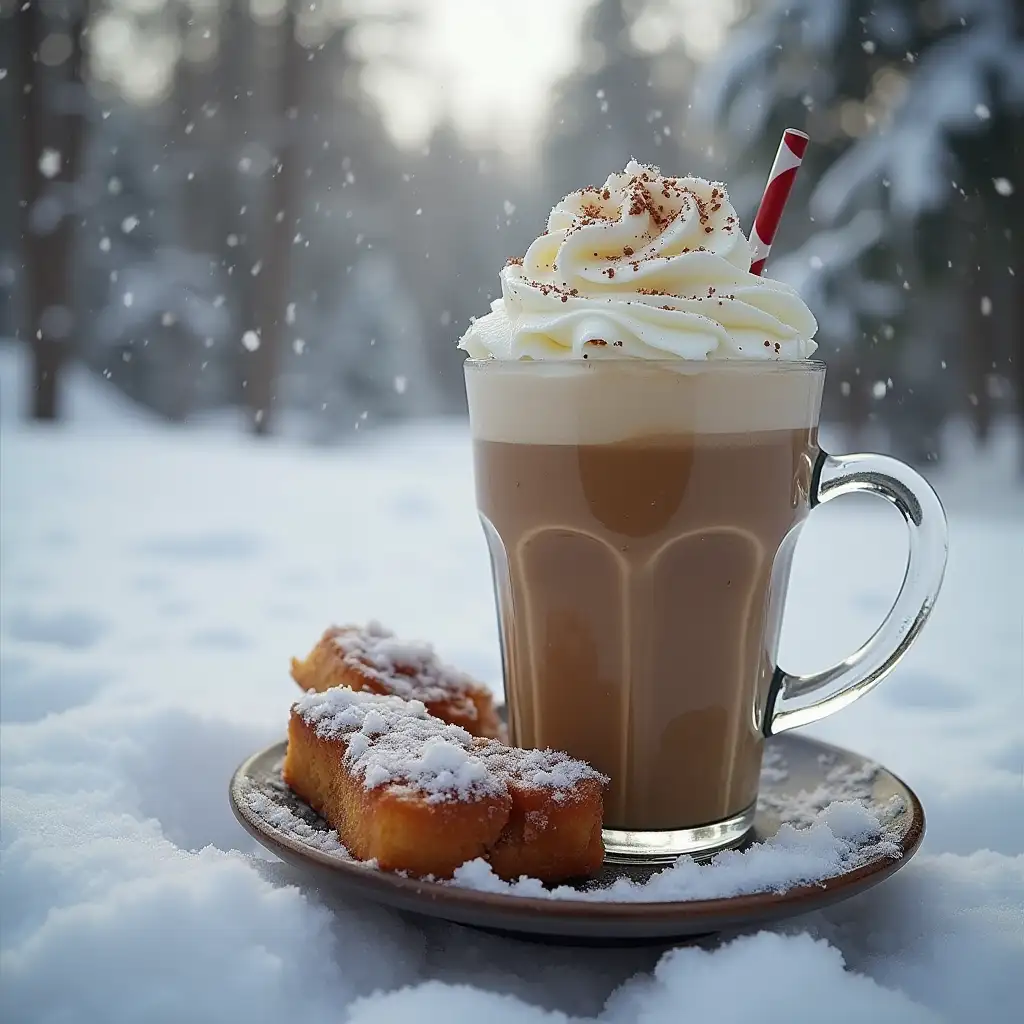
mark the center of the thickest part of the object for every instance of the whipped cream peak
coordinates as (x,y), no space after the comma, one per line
(645,266)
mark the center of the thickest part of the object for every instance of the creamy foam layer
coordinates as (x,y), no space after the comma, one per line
(646,267)
(547,402)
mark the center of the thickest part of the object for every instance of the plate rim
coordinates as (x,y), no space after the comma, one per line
(419,895)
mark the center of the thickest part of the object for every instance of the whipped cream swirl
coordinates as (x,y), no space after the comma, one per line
(646,266)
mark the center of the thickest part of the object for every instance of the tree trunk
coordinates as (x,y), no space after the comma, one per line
(51,131)
(201,153)
(241,69)
(1017,314)
(978,340)
(281,209)
(1016,236)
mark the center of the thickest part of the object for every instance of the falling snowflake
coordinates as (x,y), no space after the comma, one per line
(168,319)
(232,241)
(981,112)
(128,299)
(250,341)
(129,224)
(114,186)
(868,46)
(844,389)
(400,384)
(878,389)
(104,244)
(256,268)
(298,346)
(1003,186)
(50,163)
(509,207)
(986,306)
(289,313)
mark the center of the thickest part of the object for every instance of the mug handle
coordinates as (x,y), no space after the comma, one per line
(926,563)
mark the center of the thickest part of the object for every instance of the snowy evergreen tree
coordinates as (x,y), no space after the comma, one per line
(915,110)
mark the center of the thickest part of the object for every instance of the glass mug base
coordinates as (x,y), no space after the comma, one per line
(664,846)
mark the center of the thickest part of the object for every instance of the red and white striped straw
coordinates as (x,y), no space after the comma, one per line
(776,192)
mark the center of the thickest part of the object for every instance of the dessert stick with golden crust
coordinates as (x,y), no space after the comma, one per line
(372,658)
(416,794)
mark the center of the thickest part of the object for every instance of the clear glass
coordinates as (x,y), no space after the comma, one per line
(641,518)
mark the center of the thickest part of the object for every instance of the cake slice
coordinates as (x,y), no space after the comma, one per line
(372,658)
(417,794)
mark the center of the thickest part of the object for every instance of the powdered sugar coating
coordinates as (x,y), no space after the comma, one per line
(411,670)
(540,769)
(390,741)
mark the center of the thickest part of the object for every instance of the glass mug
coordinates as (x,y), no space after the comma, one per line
(641,518)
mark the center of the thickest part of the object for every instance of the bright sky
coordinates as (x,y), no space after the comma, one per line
(487,64)
(490,64)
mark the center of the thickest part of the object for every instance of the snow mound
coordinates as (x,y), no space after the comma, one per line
(152,589)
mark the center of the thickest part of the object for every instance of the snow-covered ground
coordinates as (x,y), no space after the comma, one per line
(154,584)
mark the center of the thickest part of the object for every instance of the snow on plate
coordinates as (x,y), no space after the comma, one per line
(827,832)
(153,585)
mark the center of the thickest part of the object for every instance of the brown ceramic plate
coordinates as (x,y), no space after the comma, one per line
(795,765)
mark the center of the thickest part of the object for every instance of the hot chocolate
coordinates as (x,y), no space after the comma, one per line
(639,613)
(644,423)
